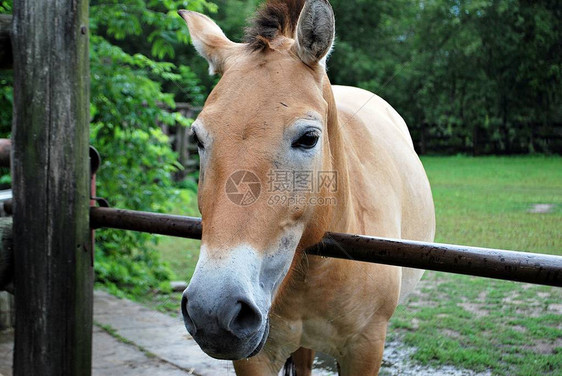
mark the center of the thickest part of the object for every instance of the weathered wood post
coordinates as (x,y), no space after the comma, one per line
(53,270)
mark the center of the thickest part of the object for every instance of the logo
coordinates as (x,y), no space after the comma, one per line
(243,187)
(283,181)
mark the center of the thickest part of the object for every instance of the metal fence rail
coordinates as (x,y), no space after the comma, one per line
(483,262)
(155,223)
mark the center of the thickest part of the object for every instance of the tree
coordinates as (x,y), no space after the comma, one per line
(477,76)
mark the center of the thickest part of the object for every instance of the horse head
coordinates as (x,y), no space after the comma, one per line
(264,146)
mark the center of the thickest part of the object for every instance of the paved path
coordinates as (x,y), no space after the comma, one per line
(149,343)
(157,344)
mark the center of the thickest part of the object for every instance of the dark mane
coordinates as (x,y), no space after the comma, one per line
(274,18)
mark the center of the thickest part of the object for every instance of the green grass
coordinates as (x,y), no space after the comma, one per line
(180,254)
(484,324)
(481,324)
(485,201)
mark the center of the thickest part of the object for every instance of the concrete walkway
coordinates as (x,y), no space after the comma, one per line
(142,343)
(132,340)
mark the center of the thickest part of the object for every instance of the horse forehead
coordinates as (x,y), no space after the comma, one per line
(262,87)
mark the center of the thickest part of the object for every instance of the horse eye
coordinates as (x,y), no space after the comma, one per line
(197,141)
(306,141)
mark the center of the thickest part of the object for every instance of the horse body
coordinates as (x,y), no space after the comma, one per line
(342,307)
(255,297)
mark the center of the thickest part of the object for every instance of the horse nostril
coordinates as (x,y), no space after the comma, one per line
(245,319)
(186,319)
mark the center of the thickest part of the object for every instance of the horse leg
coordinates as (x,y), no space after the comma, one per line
(365,357)
(256,366)
(303,359)
(365,363)
(267,363)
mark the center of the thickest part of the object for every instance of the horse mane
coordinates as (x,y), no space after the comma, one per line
(273,19)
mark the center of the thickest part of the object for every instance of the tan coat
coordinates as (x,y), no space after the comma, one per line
(253,286)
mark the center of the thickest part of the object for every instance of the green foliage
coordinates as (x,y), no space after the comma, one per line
(233,16)
(6,90)
(158,20)
(133,93)
(6,6)
(129,103)
(477,76)
(469,76)
(6,103)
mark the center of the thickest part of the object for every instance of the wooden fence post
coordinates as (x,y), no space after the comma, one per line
(53,271)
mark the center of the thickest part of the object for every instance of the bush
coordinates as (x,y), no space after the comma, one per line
(128,106)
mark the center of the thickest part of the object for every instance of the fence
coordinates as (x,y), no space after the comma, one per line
(482,262)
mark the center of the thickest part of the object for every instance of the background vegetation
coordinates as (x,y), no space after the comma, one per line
(136,78)
(470,77)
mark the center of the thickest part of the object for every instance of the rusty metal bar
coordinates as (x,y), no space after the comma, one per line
(5,150)
(155,223)
(483,262)
(9,207)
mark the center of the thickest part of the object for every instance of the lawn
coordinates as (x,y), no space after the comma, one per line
(480,324)
(484,324)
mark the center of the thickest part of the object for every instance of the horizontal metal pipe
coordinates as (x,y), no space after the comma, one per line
(483,262)
(155,223)
(5,150)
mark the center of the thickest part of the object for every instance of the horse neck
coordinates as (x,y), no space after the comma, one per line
(338,218)
(341,217)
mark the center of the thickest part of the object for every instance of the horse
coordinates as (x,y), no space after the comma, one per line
(284,158)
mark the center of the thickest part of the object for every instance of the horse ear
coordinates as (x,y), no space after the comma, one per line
(208,39)
(315,32)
